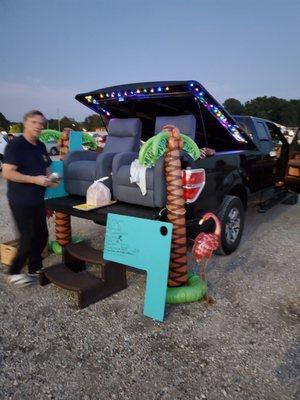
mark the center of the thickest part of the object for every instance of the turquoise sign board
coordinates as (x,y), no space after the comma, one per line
(58,191)
(142,244)
(75,143)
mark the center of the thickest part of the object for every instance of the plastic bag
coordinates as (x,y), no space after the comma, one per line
(98,194)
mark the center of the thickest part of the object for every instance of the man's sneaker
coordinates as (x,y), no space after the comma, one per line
(20,279)
(35,274)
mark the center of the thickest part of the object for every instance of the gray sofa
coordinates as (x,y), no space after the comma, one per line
(155,179)
(82,168)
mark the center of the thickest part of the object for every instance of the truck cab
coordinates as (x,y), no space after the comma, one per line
(275,152)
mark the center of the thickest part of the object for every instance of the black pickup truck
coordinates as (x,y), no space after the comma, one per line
(252,154)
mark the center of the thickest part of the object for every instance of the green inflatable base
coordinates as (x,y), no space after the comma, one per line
(194,290)
(57,248)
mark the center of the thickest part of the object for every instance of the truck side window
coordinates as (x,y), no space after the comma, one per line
(262,132)
(276,141)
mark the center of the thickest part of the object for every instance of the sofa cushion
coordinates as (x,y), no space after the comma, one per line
(116,144)
(82,170)
(123,177)
(78,187)
(124,127)
(124,135)
(185,123)
(132,195)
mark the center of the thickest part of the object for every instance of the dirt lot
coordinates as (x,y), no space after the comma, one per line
(243,347)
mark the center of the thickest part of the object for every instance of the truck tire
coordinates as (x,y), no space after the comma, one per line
(292,200)
(232,218)
(53,151)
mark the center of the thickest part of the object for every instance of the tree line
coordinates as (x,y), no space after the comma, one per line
(90,124)
(284,112)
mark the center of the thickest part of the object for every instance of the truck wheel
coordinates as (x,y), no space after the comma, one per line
(292,200)
(232,217)
(53,151)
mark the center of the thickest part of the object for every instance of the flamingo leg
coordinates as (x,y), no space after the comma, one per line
(203,269)
(206,297)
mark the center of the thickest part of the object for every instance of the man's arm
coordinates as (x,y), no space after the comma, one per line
(10,173)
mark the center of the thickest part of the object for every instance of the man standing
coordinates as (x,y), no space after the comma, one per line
(26,167)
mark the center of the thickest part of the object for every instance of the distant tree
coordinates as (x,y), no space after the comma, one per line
(52,124)
(92,122)
(290,113)
(66,122)
(234,106)
(270,108)
(4,123)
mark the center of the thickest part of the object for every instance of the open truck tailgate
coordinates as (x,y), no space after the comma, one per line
(99,215)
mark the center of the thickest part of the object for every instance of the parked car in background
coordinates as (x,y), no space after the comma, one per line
(52,148)
(100,139)
(3,143)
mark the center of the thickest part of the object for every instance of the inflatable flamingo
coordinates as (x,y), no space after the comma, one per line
(206,243)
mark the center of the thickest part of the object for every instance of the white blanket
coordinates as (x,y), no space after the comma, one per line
(138,175)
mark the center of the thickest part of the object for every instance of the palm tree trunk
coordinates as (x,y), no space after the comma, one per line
(62,228)
(176,211)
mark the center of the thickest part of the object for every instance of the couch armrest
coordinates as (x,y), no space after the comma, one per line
(80,155)
(104,165)
(123,159)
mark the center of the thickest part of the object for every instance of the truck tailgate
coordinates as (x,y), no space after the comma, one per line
(99,215)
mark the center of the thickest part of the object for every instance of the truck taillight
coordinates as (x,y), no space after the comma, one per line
(193,181)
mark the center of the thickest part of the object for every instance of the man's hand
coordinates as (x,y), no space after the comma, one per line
(209,152)
(54,184)
(41,180)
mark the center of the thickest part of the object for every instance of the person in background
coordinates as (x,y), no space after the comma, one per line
(26,168)
(3,131)
(64,143)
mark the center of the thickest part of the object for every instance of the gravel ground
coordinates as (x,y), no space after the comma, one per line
(242,347)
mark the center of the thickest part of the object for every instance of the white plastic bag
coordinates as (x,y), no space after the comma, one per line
(98,194)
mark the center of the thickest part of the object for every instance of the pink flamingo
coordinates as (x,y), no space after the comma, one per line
(206,243)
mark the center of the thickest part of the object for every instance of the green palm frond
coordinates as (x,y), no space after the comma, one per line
(156,146)
(89,141)
(160,144)
(146,154)
(48,135)
(190,147)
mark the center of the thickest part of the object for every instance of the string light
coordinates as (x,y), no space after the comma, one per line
(200,95)
(218,114)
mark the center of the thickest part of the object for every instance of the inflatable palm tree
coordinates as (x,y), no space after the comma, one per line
(169,143)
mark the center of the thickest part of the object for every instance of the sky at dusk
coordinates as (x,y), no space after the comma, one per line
(52,50)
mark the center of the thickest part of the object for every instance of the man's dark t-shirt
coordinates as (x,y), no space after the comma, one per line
(30,160)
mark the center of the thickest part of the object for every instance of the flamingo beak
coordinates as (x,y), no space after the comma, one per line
(201,221)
